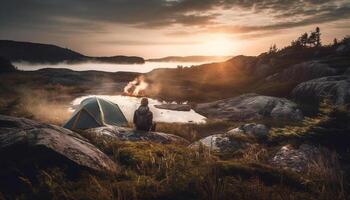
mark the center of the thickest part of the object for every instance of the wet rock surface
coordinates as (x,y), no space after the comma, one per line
(295,159)
(336,88)
(128,134)
(25,142)
(251,107)
(177,107)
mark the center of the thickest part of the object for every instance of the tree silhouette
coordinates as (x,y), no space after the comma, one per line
(317,37)
(273,49)
(303,39)
(335,42)
(312,40)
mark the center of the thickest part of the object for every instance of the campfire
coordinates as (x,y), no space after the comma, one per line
(136,87)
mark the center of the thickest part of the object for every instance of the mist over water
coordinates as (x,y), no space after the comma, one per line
(107,67)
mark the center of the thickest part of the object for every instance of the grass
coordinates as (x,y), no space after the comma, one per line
(329,128)
(156,171)
(194,132)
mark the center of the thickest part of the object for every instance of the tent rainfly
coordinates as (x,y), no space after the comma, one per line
(95,112)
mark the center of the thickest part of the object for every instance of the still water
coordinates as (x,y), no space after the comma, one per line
(129,104)
(107,67)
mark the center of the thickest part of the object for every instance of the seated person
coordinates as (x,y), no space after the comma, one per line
(143,117)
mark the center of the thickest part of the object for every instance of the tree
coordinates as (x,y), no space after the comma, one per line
(312,39)
(317,37)
(273,49)
(303,39)
(296,43)
(335,42)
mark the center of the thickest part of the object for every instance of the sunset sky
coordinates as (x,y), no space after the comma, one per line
(156,28)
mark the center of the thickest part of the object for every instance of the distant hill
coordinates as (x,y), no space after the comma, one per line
(47,53)
(191,59)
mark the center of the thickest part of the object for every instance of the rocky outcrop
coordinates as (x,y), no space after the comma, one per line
(177,107)
(251,107)
(28,143)
(336,88)
(252,130)
(303,72)
(295,159)
(128,134)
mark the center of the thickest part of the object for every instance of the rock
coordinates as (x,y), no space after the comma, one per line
(303,72)
(336,88)
(177,107)
(295,159)
(128,134)
(27,143)
(251,107)
(229,142)
(220,143)
(254,130)
(6,66)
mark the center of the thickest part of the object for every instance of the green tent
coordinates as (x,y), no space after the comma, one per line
(95,112)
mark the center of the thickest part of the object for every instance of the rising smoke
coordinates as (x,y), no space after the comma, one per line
(136,87)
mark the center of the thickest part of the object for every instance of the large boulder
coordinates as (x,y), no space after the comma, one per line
(233,140)
(252,130)
(26,143)
(128,134)
(295,159)
(251,107)
(223,143)
(303,72)
(336,88)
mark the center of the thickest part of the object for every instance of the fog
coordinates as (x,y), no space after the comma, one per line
(107,67)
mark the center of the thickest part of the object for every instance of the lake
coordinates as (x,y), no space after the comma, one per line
(107,67)
(129,104)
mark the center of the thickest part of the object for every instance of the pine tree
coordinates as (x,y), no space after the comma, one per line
(312,39)
(335,42)
(303,39)
(317,37)
(273,49)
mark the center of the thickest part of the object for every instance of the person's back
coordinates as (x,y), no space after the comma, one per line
(143,117)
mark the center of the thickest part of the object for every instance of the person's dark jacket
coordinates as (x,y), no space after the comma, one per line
(143,118)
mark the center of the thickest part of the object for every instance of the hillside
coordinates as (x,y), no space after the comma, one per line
(190,59)
(47,53)
(274,73)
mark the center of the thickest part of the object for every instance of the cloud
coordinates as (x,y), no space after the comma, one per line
(142,43)
(91,16)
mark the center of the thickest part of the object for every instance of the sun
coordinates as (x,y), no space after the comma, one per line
(219,45)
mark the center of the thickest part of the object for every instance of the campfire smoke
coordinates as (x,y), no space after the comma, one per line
(136,87)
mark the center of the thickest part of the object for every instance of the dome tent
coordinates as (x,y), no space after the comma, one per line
(95,112)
